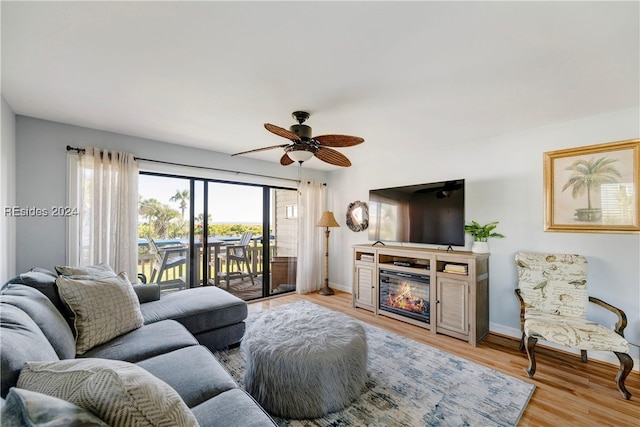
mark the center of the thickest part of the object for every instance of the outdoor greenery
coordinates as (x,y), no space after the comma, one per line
(162,221)
(482,233)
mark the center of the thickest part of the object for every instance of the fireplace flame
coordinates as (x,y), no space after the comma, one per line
(405,300)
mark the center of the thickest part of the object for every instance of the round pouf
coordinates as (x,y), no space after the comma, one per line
(304,361)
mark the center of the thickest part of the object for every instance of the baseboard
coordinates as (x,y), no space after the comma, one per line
(602,356)
(341,288)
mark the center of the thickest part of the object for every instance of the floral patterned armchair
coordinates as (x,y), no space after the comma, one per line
(552,290)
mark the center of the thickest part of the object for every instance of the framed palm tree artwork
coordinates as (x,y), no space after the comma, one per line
(593,189)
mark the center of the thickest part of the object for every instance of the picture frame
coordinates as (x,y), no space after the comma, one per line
(593,189)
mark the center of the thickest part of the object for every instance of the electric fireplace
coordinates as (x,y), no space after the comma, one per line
(404,294)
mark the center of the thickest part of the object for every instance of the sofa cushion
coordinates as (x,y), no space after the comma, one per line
(104,308)
(233,408)
(99,270)
(222,338)
(120,393)
(44,281)
(42,311)
(193,385)
(199,309)
(26,342)
(145,342)
(32,409)
(147,292)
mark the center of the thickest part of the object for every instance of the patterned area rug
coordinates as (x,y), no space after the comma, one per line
(411,384)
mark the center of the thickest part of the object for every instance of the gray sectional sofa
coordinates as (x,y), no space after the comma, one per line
(172,347)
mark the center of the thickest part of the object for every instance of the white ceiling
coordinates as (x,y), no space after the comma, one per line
(209,74)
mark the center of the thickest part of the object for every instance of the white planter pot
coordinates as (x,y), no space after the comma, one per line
(480,247)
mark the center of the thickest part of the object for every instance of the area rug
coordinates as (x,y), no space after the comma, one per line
(411,384)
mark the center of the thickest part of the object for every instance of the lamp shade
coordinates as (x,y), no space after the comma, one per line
(327,220)
(299,155)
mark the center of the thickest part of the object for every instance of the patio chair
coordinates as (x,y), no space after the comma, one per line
(238,254)
(552,290)
(167,258)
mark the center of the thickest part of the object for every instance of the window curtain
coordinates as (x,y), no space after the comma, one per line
(311,239)
(108,214)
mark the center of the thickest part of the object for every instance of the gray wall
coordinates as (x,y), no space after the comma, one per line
(41,176)
(504,182)
(7,192)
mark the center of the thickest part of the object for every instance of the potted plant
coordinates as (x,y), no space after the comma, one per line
(481,234)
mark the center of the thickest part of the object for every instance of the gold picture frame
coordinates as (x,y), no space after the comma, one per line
(593,189)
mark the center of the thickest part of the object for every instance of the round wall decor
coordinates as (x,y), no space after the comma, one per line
(358,216)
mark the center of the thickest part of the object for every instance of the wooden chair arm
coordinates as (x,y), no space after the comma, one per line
(234,250)
(622,317)
(173,249)
(521,301)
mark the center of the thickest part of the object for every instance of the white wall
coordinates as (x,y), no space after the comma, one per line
(7,192)
(503,177)
(41,176)
(504,182)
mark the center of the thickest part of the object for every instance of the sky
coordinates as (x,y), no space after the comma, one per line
(229,203)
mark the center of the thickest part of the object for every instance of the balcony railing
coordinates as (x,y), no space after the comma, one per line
(146,259)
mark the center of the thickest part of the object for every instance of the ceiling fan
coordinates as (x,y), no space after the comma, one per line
(303,146)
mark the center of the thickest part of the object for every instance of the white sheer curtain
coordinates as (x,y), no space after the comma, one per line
(310,242)
(108,209)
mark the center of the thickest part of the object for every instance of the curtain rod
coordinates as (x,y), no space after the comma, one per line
(82,150)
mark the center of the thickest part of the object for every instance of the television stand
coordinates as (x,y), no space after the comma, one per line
(457,298)
(378,241)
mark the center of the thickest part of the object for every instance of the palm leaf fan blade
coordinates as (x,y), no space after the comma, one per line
(332,156)
(338,140)
(285,160)
(281,132)
(260,149)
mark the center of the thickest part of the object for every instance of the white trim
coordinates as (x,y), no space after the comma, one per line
(341,288)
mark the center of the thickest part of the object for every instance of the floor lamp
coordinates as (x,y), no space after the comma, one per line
(327,220)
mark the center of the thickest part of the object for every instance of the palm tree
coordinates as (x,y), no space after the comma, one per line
(590,174)
(158,216)
(182,197)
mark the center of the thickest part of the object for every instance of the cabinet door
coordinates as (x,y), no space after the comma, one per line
(452,305)
(365,285)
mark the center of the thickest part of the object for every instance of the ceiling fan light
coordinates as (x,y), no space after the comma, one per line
(300,155)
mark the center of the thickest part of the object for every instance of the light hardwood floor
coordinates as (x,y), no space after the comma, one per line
(568,392)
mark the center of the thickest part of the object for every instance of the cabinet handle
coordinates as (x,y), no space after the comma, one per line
(437,301)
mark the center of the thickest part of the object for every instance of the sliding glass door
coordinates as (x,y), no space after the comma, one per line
(164,212)
(197,232)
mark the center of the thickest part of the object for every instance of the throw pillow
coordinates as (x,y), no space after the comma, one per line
(32,409)
(104,308)
(86,270)
(120,393)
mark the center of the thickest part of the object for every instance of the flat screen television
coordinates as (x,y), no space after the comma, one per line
(430,213)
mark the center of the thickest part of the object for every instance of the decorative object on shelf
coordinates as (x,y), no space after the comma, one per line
(358,216)
(327,220)
(481,234)
(593,189)
(456,269)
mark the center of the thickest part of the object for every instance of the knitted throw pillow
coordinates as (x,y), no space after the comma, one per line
(104,308)
(120,393)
